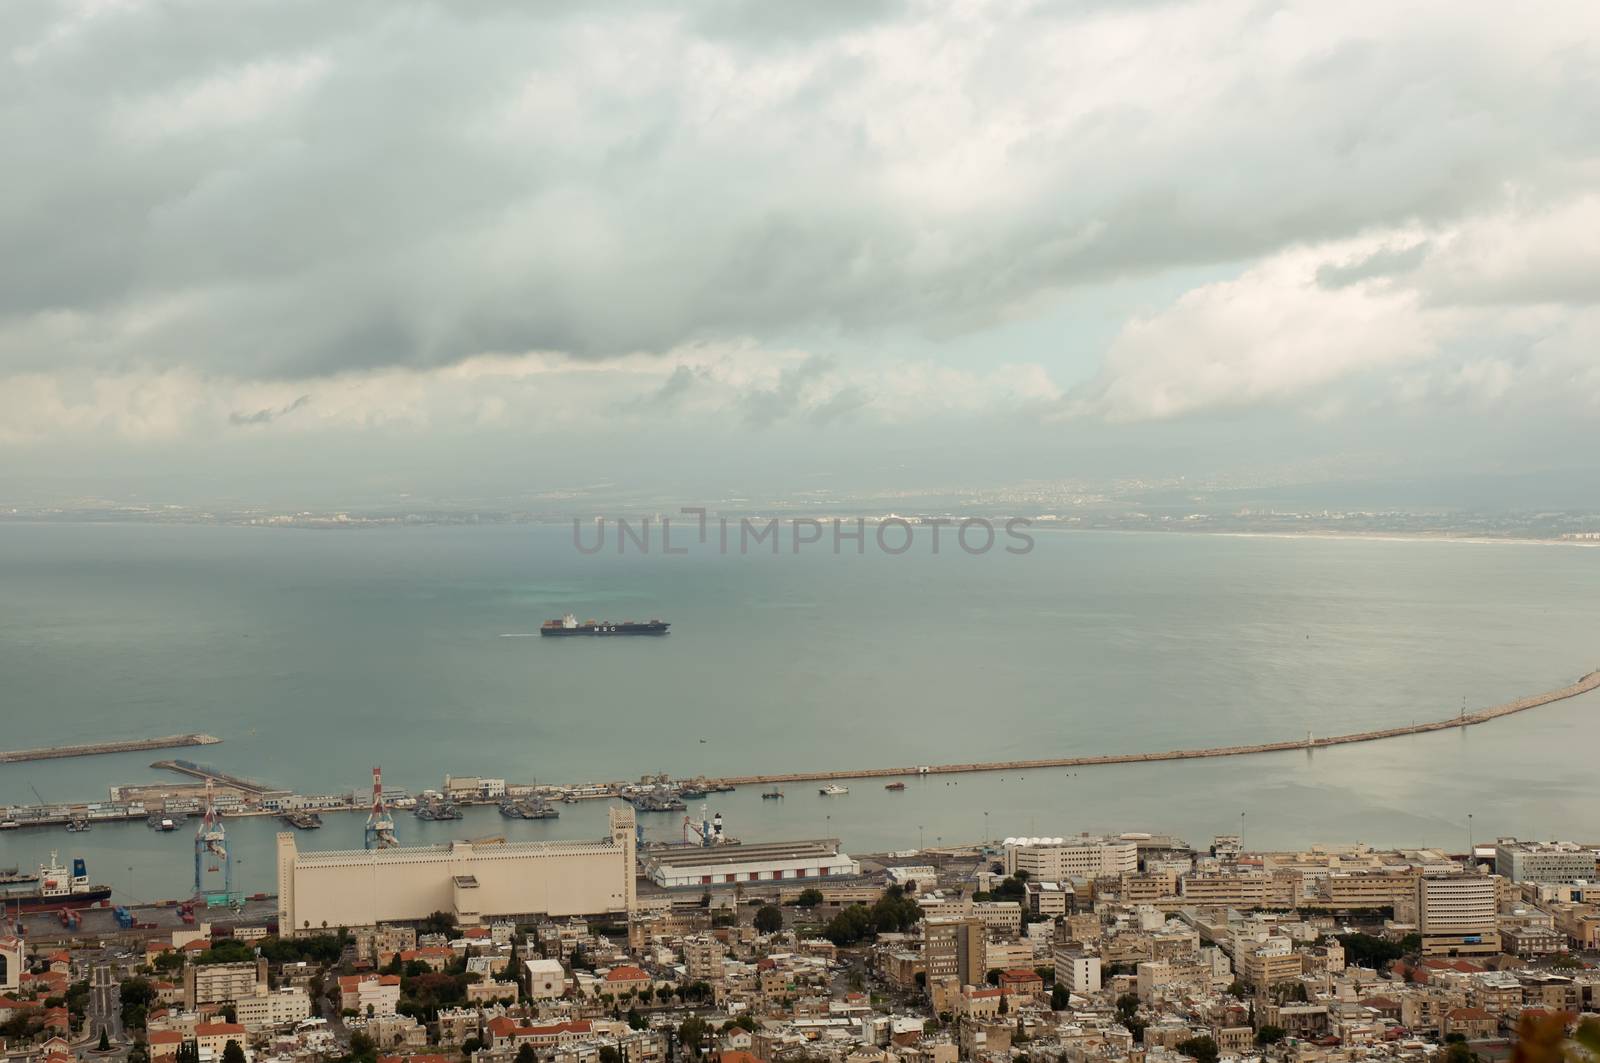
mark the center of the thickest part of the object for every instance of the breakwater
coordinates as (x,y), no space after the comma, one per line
(88,749)
(1464,719)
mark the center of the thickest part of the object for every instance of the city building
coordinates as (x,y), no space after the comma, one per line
(1456,914)
(353,888)
(1543,861)
(1077,969)
(269,1009)
(11,963)
(954,948)
(1085,856)
(221,983)
(547,979)
(369,994)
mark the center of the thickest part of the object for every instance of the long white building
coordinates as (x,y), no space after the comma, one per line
(318,890)
(1085,856)
(756,862)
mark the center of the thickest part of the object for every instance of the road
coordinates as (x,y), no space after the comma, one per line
(105,1005)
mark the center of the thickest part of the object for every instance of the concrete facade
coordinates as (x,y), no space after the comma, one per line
(365,887)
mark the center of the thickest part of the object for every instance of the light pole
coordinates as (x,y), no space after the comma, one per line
(1470,847)
(986,828)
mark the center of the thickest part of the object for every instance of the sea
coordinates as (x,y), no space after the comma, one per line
(318,654)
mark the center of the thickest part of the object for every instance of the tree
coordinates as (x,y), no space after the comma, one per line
(609,1054)
(1366,950)
(692,1034)
(105,1040)
(438,923)
(769,920)
(526,1054)
(1270,1035)
(636,1020)
(471,1045)
(362,1047)
(809,897)
(232,1053)
(1201,1048)
(1060,999)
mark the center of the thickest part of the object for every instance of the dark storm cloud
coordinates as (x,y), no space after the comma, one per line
(302,189)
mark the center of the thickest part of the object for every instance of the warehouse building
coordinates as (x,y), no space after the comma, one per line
(476,884)
(756,862)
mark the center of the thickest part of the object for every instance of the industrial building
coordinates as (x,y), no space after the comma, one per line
(734,862)
(474,883)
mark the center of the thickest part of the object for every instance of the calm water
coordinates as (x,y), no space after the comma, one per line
(317,654)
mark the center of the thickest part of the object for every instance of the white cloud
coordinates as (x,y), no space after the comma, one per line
(1406,312)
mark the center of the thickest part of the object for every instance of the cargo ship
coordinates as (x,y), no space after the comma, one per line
(569,625)
(56,890)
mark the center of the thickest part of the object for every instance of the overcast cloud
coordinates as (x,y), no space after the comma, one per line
(255,219)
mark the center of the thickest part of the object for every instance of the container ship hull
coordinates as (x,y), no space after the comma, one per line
(32,902)
(569,628)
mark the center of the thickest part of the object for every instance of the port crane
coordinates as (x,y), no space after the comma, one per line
(709,829)
(211,854)
(380,824)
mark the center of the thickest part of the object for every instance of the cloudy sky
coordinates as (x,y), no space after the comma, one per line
(292,250)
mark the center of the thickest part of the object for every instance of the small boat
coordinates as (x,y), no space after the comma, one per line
(833,790)
(78,824)
(896,786)
(772,795)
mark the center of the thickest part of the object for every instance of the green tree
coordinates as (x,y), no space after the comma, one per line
(692,1034)
(809,897)
(362,1048)
(1203,1049)
(471,1045)
(232,1053)
(438,923)
(105,1040)
(769,920)
(1270,1035)
(1060,998)
(609,1054)
(526,1054)
(1366,950)
(636,1020)
(137,993)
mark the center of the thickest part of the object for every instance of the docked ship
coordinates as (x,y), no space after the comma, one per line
(57,891)
(569,625)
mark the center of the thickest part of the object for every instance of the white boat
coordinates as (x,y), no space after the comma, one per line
(833,790)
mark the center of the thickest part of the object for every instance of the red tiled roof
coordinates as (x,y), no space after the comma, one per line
(625,974)
(218,1029)
(164,1037)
